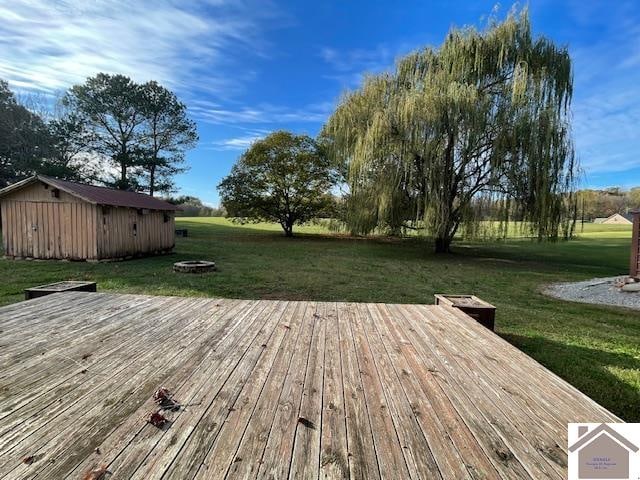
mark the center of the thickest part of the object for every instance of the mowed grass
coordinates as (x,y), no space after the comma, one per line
(595,348)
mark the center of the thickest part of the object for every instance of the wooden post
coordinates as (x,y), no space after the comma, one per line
(635,246)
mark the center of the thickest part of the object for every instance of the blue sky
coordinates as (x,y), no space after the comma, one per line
(246,68)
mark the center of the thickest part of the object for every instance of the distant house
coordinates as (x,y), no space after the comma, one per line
(47,218)
(615,219)
(602,453)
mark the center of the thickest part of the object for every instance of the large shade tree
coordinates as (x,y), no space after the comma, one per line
(485,114)
(283,178)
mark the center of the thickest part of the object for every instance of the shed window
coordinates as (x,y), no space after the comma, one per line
(55,193)
(135,229)
(166,217)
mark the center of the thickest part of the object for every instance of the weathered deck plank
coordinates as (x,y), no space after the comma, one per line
(84,421)
(391,459)
(136,445)
(333,440)
(363,462)
(305,459)
(272,390)
(219,405)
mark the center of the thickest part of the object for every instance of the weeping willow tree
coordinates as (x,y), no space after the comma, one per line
(486,115)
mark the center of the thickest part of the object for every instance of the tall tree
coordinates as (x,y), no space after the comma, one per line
(24,139)
(167,133)
(484,114)
(283,178)
(111,106)
(70,156)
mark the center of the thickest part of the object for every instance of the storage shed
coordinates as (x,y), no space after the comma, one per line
(47,218)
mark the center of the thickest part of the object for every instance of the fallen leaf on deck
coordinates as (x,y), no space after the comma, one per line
(307,423)
(96,474)
(158,420)
(164,398)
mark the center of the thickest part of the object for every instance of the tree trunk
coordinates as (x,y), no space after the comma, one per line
(443,244)
(152,179)
(123,174)
(287,226)
(444,240)
(449,189)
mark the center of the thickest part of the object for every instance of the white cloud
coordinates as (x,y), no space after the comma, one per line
(358,59)
(350,66)
(50,45)
(241,142)
(215,113)
(606,104)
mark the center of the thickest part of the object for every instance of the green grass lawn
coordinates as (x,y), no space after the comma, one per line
(595,348)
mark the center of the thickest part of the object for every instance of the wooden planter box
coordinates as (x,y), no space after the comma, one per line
(70,286)
(481,311)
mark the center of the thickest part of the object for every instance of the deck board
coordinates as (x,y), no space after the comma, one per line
(273,390)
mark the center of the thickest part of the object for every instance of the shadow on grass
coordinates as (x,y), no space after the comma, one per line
(249,232)
(612,253)
(597,373)
(609,255)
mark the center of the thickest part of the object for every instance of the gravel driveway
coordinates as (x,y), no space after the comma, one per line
(597,290)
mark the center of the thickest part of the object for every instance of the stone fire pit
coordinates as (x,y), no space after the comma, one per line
(194,266)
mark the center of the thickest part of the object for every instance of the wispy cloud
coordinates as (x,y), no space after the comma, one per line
(606,104)
(49,45)
(348,67)
(240,142)
(216,113)
(358,59)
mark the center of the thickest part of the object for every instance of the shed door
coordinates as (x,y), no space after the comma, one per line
(32,226)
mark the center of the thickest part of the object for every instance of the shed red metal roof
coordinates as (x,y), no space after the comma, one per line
(98,195)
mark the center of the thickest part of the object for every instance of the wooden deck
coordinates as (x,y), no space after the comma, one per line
(273,389)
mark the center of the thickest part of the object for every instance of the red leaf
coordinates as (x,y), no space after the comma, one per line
(96,474)
(158,420)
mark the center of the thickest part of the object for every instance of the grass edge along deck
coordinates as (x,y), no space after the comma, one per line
(273,389)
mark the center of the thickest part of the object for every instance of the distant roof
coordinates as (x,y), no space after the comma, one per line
(96,195)
(630,219)
(626,216)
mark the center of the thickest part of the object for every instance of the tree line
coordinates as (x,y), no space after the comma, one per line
(108,130)
(604,203)
(191,206)
(481,120)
